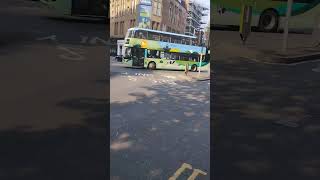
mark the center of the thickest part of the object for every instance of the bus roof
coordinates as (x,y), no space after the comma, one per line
(162,32)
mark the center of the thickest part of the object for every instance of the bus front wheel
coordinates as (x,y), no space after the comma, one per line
(152,65)
(269,21)
(194,68)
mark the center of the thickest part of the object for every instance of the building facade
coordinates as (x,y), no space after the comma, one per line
(195,15)
(166,15)
(122,17)
(174,16)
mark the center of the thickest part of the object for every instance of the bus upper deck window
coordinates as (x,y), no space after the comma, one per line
(164,38)
(139,34)
(177,39)
(153,36)
(131,34)
(187,41)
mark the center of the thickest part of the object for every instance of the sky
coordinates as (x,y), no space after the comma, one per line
(205,3)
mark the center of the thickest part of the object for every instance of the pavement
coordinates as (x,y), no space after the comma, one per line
(160,125)
(53,95)
(265,119)
(267,47)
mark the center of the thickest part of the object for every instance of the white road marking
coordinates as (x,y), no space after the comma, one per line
(74,54)
(52,37)
(184,167)
(95,39)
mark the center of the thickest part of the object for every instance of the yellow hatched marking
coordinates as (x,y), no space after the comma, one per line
(184,167)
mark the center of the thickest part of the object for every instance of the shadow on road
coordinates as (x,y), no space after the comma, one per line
(165,126)
(264,122)
(69,152)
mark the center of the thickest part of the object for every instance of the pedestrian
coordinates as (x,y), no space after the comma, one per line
(186,70)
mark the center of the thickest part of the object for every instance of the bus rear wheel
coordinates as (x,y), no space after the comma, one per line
(194,68)
(152,65)
(269,21)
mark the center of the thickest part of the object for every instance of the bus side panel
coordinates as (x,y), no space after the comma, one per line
(175,64)
(231,14)
(299,22)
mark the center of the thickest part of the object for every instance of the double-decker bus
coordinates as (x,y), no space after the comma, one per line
(154,49)
(268,15)
(78,8)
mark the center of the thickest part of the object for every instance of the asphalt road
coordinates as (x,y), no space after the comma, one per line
(265,120)
(53,95)
(159,125)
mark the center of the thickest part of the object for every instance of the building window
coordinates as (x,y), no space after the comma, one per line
(154,7)
(122,27)
(159,8)
(170,11)
(152,25)
(116,28)
(180,17)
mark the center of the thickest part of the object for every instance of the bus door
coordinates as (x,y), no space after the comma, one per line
(138,57)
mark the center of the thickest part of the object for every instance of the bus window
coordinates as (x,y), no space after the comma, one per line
(153,36)
(184,57)
(153,54)
(165,38)
(135,35)
(172,39)
(195,57)
(131,34)
(175,56)
(140,34)
(183,41)
(166,55)
(193,42)
(162,55)
(188,41)
(177,39)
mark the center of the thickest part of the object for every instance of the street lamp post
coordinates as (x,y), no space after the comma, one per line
(201,37)
(286,27)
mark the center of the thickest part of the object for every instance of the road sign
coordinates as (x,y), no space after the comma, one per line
(245,22)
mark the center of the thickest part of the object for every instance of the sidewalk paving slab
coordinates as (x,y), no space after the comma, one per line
(266,47)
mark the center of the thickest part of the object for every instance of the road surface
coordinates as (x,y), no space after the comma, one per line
(53,95)
(159,125)
(266,120)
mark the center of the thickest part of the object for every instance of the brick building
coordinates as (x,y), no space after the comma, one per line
(166,15)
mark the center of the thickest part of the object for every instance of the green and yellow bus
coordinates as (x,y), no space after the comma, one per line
(154,49)
(268,15)
(78,8)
